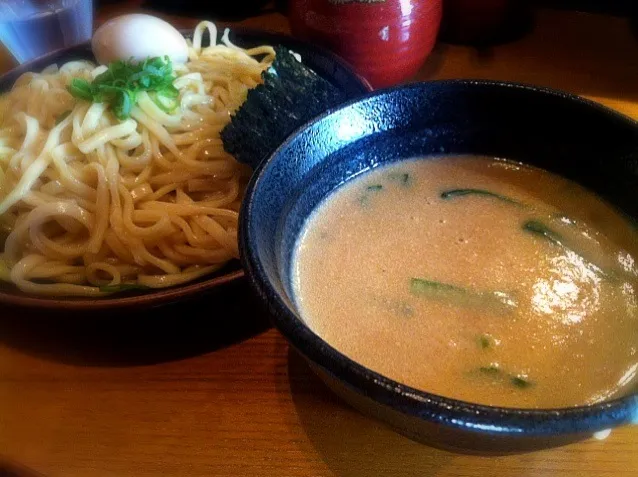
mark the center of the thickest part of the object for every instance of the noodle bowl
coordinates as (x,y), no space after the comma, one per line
(90,203)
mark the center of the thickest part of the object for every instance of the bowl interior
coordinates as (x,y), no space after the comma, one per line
(577,139)
(326,64)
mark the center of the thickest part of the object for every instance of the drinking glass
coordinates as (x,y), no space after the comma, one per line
(32,28)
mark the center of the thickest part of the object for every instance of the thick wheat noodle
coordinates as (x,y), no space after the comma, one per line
(87,200)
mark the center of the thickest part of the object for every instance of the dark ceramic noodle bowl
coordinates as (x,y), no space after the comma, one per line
(327,65)
(564,134)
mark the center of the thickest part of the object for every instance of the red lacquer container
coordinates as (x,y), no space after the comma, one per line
(386,41)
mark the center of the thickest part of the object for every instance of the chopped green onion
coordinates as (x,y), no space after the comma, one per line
(496,300)
(485,342)
(453,193)
(165,103)
(537,227)
(520,382)
(421,286)
(403,178)
(490,370)
(375,187)
(499,375)
(81,89)
(122,104)
(119,85)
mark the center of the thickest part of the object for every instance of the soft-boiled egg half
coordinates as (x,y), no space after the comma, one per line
(138,36)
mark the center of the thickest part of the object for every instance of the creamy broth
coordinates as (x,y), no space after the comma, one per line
(476,279)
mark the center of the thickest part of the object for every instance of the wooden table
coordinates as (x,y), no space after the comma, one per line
(218,393)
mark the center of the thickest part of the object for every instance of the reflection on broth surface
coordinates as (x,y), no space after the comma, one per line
(476,279)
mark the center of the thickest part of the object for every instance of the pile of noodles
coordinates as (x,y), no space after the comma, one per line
(89,202)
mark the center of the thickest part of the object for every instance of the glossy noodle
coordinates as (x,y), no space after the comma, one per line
(88,201)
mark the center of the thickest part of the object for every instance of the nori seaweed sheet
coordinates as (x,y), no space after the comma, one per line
(291,94)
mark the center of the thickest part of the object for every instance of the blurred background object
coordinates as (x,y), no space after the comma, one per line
(484,22)
(281,6)
(215,10)
(32,28)
(386,41)
(611,7)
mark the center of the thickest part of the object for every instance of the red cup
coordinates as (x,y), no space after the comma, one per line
(386,41)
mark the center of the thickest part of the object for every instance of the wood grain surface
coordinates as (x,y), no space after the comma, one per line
(209,389)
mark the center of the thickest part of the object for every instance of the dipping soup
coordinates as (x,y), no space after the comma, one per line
(476,279)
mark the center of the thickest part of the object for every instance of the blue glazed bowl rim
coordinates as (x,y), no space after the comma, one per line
(405,399)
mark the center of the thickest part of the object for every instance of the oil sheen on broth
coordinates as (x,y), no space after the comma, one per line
(476,279)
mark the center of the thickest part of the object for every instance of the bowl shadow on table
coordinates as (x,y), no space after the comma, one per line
(222,317)
(349,443)
(338,431)
(9,468)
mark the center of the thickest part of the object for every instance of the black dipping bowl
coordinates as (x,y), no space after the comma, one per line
(564,134)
